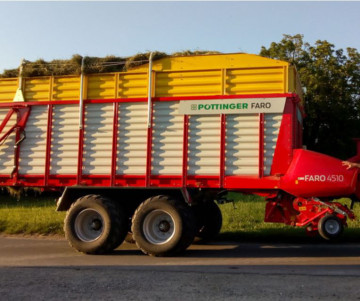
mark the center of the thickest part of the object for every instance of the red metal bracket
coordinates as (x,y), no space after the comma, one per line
(22,117)
(22,113)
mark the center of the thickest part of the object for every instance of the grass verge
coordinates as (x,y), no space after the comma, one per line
(30,216)
(242,220)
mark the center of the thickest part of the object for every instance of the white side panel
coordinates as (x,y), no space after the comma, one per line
(98,139)
(132,139)
(33,148)
(271,133)
(204,145)
(167,147)
(7,147)
(65,140)
(242,145)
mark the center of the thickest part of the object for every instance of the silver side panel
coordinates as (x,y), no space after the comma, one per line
(7,147)
(65,140)
(98,139)
(271,133)
(33,148)
(241,141)
(242,145)
(204,145)
(132,139)
(167,143)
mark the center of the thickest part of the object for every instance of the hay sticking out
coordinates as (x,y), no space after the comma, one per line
(42,68)
(91,64)
(142,58)
(197,52)
(8,73)
(103,65)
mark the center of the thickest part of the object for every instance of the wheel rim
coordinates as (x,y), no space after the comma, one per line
(332,227)
(158,227)
(89,225)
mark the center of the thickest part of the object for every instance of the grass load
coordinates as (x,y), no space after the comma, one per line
(106,64)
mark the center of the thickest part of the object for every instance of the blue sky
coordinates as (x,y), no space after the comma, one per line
(57,30)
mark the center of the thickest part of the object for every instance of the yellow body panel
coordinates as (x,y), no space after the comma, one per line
(186,83)
(65,88)
(101,86)
(294,82)
(132,85)
(258,81)
(37,89)
(219,74)
(8,87)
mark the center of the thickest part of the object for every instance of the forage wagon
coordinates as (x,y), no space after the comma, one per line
(148,150)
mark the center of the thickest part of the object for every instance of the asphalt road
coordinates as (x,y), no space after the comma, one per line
(48,269)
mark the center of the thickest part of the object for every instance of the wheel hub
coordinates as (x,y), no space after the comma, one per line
(332,227)
(96,225)
(158,227)
(88,225)
(164,226)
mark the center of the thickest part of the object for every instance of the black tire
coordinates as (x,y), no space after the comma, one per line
(330,227)
(208,220)
(95,225)
(163,226)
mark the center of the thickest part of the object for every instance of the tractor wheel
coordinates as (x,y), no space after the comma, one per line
(208,220)
(330,227)
(95,225)
(163,226)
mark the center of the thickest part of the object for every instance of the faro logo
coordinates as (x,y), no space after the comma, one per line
(315,178)
(322,178)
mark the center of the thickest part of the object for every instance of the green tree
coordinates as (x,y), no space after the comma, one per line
(332,85)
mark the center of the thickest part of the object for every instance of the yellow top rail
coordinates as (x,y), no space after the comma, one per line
(200,75)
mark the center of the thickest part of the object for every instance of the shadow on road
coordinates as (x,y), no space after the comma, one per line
(241,250)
